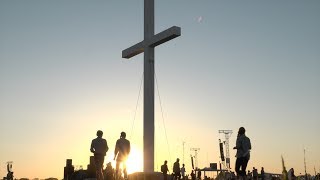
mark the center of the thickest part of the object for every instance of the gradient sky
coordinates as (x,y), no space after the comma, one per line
(237,63)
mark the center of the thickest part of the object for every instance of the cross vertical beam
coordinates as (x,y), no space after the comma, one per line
(148,100)
(147,46)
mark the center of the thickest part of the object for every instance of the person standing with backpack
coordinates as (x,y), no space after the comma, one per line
(183,171)
(164,170)
(176,169)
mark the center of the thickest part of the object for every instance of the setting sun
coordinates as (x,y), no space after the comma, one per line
(135,160)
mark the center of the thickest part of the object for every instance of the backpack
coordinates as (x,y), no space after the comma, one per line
(163,169)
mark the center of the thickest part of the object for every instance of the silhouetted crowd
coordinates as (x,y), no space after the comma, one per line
(99,148)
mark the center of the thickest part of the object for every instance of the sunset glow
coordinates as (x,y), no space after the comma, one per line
(252,64)
(135,160)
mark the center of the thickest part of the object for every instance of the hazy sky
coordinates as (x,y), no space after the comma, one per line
(237,63)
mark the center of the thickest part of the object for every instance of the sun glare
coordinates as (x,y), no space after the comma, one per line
(134,163)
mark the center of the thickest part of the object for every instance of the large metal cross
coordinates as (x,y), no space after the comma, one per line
(147,46)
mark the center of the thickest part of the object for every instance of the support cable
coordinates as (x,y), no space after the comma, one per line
(135,112)
(165,131)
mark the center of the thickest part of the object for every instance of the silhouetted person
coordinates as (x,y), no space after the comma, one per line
(262,173)
(121,153)
(164,170)
(99,148)
(243,147)
(10,172)
(199,174)
(183,171)
(255,173)
(176,169)
(249,175)
(193,175)
(291,175)
(109,172)
(69,170)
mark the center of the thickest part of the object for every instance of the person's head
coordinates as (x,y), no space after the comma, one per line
(241,131)
(178,159)
(165,162)
(123,135)
(183,165)
(99,133)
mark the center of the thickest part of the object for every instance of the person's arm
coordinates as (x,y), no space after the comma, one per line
(249,143)
(238,144)
(92,148)
(116,150)
(106,146)
(129,148)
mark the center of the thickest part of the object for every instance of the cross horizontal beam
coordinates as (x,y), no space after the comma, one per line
(154,41)
(164,36)
(133,50)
